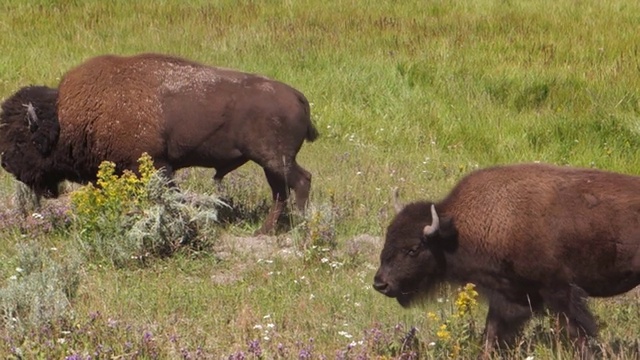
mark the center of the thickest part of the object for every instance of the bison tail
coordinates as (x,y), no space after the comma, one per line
(312,133)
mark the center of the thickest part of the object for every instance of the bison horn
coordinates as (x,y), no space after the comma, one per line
(32,117)
(435,223)
(396,200)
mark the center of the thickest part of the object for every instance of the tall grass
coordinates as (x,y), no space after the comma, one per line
(405,94)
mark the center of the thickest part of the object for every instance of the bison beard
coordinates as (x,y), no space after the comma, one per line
(529,236)
(181,113)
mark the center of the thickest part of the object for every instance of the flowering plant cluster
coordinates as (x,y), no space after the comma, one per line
(100,207)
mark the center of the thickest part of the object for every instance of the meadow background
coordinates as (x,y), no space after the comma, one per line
(409,94)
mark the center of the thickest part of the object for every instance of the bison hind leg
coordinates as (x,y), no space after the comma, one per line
(279,193)
(580,310)
(281,180)
(300,182)
(569,303)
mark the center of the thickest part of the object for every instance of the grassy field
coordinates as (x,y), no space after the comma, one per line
(406,94)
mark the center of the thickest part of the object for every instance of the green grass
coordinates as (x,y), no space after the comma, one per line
(409,94)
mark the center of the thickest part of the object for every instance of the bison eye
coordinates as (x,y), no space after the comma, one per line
(413,251)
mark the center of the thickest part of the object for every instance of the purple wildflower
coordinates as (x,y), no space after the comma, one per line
(376,335)
(98,351)
(254,348)
(147,336)
(94,315)
(282,350)
(304,354)
(409,337)
(237,356)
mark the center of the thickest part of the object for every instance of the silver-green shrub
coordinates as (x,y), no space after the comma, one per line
(128,219)
(38,295)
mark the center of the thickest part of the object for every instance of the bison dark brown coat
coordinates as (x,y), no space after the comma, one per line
(180,112)
(530,236)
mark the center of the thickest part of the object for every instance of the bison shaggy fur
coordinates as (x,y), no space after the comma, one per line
(530,236)
(180,112)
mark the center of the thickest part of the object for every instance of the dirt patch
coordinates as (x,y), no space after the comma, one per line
(365,246)
(258,247)
(227,276)
(266,247)
(230,248)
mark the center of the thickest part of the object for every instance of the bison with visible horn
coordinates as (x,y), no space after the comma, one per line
(180,112)
(530,236)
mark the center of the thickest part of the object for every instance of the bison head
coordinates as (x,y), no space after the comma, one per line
(413,257)
(29,132)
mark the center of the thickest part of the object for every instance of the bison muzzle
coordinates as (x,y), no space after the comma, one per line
(530,236)
(181,113)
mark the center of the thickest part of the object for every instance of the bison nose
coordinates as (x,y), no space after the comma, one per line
(380,286)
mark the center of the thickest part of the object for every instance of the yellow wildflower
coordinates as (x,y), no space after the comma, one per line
(466,300)
(432,316)
(443,333)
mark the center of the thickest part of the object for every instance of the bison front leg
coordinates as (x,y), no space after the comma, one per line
(505,321)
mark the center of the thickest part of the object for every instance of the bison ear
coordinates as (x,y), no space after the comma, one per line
(32,118)
(447,228)
(46,136)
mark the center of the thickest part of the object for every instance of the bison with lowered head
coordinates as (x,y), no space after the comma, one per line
(180,112)
(530,237)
